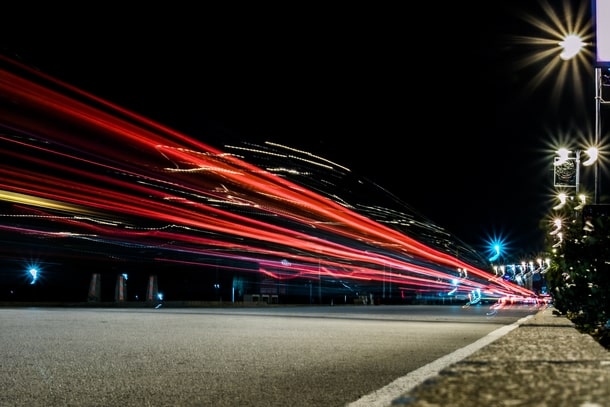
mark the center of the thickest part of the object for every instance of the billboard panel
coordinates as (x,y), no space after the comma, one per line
(565,172)
(601,24)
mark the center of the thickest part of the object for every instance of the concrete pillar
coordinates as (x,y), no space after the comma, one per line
(95,288)
(120,292)
(152,290)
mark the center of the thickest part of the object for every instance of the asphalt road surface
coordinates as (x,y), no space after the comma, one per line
(261,356)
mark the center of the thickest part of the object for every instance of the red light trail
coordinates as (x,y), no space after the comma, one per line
(77,168)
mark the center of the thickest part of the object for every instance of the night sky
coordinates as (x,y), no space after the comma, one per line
(442,116)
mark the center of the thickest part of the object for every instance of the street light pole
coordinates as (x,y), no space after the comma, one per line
(577,172)
(601,13)
(598,128)
(571,46)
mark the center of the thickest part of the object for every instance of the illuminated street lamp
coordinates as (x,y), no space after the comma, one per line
(557,223)
(563,200)
(33,271)
(583,201)
(571,46)
(497,250)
